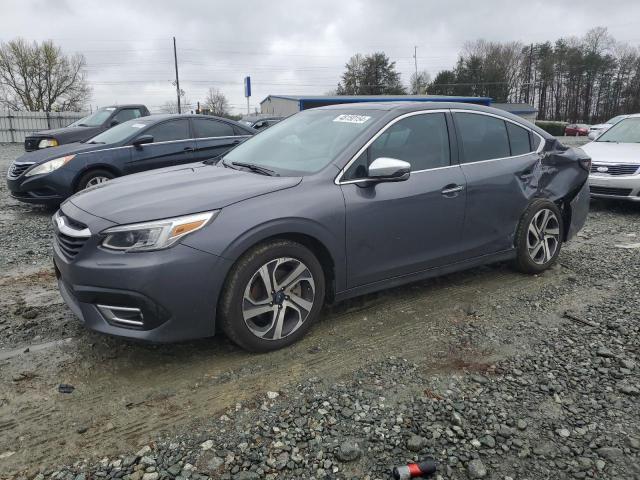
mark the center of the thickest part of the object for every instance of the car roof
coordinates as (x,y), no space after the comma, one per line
(166,116)
(409,106)
(127,105)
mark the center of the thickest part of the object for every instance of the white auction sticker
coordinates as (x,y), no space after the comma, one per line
(110,109)
(351,118)
(137,125)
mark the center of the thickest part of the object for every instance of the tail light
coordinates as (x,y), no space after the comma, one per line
(585,163)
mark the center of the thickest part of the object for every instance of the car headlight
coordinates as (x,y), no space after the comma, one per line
(154,235)
(48,142)
(50,166)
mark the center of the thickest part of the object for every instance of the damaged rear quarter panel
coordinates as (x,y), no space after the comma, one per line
(563,179)
(498,192)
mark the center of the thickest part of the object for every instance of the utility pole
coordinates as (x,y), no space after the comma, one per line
(415,60)
(175,60)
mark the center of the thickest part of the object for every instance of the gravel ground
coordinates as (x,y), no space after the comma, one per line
(493,374)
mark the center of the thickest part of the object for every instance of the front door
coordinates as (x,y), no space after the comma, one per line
(172,145)
(398,228)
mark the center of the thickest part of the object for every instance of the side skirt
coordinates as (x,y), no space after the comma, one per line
(424,274)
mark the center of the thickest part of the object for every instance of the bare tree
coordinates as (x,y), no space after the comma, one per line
(170,106)
(419,83)
(39,77)
(217,103)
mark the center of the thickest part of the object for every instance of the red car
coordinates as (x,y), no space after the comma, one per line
(576,130)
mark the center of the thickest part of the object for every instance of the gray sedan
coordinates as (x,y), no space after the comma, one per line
(328,204)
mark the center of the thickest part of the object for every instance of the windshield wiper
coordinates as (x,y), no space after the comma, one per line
(95,143)
(256,168)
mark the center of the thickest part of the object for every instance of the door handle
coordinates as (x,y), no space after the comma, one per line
(449,189)
(188,149)
(235,142)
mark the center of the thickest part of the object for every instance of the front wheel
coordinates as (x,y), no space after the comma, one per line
(539,237)
(93,178)
(272,296)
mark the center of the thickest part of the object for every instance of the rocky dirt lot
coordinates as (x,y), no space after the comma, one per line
(494,374)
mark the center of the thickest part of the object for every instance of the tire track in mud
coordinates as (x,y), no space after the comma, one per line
(169,387)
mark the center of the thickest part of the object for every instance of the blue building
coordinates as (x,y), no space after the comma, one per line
(285,105)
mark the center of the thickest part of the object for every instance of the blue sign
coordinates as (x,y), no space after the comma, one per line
(247,87)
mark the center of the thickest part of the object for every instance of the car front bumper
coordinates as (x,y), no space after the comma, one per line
(159,296)
(620,187)
(46,189)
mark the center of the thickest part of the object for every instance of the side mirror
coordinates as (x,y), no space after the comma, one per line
(259,125)
(114,123)
(385,169)
(142,140)
(593,135)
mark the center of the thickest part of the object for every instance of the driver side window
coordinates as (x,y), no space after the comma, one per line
(169,131)
(422,140)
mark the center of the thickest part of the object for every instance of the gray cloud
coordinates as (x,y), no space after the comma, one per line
(287,46)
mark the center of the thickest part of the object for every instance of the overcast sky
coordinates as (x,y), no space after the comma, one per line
(286,46)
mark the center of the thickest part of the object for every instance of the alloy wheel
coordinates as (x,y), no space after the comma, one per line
(278,298)
(543,236)
(93,181)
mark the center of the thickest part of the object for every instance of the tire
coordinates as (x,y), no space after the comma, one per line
(288,313)
(533,254)
(93,177)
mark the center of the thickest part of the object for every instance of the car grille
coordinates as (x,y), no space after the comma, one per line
(17,169)
(71,235)
(616,169)
(619,192)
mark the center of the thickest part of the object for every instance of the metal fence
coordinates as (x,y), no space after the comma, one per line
(14,126)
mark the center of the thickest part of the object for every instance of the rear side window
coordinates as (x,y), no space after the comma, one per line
(168,131)
(127,114)
(518,139)
(535,141)
(421,140)
(483,137)
(211,128)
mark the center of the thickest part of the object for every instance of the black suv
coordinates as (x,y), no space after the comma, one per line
(85,128)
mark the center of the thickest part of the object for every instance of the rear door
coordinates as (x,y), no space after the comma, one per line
(398,228)
(214,138)
(172,145)
(498,157)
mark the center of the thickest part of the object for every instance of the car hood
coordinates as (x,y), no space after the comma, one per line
(605,152)
(175,191)
(46,154)
(68,134)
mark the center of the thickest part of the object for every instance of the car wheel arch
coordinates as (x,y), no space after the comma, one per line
(88,168)
(317,243)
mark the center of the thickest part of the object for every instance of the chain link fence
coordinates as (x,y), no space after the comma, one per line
(14,126)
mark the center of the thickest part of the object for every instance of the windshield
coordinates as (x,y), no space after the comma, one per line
(626,131)
(304,143)
(120,132)
(615,120)
(95,119)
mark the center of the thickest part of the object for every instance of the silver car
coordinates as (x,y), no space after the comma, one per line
(615,168)
(599,129)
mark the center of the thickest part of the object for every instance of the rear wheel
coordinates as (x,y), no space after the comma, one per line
(539,237)
(93,178)
(273,295)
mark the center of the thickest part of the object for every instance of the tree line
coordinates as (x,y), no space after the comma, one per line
(587,79)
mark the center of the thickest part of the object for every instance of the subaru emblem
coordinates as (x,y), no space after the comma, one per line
(603,169)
